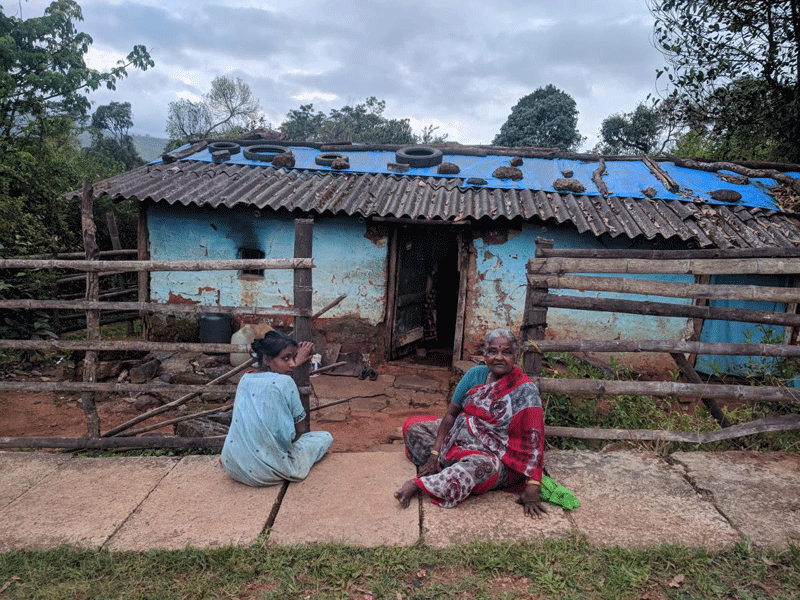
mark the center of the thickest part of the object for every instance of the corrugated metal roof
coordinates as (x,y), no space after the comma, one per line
(421,194)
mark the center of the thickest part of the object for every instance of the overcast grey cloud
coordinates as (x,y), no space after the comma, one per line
(460,65)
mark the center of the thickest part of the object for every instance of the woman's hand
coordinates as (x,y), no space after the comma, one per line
(430,467)
(529,499)
(304,352)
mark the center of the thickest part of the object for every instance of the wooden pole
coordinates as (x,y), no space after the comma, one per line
(119,443)
(662,309)
(711,404)
(303,295)
(92,316)
(617,346)
(143,277)
(534,320)
(661,389)
(182,400)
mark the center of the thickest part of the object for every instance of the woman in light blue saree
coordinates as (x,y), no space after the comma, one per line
(268,441)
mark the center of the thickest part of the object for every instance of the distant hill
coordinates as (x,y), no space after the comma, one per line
(149,148)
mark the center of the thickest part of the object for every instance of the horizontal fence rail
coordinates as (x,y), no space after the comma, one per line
(574,270)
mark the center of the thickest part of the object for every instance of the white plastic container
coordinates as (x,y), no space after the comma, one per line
(245,335)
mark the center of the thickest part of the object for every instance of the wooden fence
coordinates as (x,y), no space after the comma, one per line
(302,265)
(553,269)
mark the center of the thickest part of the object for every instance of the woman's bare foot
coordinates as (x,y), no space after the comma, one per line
(406,493)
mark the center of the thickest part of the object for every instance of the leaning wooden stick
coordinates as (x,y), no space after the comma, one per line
(182,400)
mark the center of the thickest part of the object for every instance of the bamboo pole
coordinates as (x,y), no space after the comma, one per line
(686,347)
(605,387)
(732,266)
(120,345)
(766,425)
(670,289)
(303,295)
(92,316)
(155,307)
(661,309)
(109,387)
(160,265)
(119,443)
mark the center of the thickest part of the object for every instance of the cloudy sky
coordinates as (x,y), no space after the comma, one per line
(456,64)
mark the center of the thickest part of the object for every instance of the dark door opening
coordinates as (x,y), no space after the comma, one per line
(426,289)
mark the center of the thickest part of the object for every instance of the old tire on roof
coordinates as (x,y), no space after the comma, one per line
(264,152)
(419,156)
(231,147)
(325,159)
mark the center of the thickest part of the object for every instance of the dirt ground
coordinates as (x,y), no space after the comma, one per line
(28,414)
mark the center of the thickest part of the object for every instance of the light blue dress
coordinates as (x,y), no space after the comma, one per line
(258,449)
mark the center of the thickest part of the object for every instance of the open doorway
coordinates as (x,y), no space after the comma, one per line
(425,283)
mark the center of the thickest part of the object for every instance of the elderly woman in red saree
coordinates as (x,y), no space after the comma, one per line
(492,435)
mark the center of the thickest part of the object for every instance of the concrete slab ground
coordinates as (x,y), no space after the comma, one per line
(349,498)
(197,504)
(19,471)
(758,493)
(637,499)
(493,516)
(81,503)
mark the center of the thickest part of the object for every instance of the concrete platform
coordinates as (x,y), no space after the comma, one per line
(759,494)
(349,498)
(630,499)
(83,502)
(493,516)
(637,499)
(19,471)
(197,504)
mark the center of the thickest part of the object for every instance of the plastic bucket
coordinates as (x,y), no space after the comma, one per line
(215,328)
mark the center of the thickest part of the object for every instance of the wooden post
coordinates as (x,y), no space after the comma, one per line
(303,246)
(92,316)
(143,253)
(534,321)
(688,370)
(463,287)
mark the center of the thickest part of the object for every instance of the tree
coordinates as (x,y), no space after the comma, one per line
(360,123)
(116,119)
(228,107)
(547,118)
(43,84)
(734,72)
(641,132)
(43,73)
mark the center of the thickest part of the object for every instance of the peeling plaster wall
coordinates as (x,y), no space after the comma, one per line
(497,289)
(346,262)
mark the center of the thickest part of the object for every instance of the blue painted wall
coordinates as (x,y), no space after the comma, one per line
(498,292)
(346,261)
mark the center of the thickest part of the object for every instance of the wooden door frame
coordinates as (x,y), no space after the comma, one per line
(463,242)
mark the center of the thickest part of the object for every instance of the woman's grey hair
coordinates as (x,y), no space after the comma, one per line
(500,333)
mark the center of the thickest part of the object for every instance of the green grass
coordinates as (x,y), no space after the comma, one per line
(567,568)
(646,412)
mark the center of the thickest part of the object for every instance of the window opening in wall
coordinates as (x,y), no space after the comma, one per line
(251,253)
